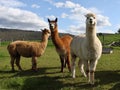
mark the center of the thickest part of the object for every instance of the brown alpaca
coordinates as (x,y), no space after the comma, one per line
(62,44)
(28,49)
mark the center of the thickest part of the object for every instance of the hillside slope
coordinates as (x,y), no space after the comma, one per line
(16,34)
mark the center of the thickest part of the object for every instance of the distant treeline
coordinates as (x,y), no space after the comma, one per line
(17,34)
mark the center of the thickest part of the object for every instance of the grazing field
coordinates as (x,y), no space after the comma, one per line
(48,76)
(109,38)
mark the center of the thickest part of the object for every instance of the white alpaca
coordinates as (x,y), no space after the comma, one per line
(88,48)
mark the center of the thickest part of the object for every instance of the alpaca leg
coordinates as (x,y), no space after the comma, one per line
(93,64)
(62,63)
(65,63)
(18,62)
(87,69)
(81,66)
(12,63)
(73,66)
(68,62)
(34,64)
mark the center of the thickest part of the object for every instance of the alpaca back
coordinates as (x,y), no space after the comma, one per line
(76,45)
(66,41)
(25,48)
(81,48)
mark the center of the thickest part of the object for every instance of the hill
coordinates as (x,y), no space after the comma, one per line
(16,34)
(109,38)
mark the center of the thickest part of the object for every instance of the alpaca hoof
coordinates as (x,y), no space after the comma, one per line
(35,70)
(73,77)
(20,70)
(85,75)
(12,71)
(91,83)
(64,66)
(61,71)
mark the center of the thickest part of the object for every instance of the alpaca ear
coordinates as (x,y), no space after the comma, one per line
(42,30)
(48,20)
(56,20)
(85,15)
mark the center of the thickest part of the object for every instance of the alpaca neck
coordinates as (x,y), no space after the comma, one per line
(44,41)
(56,39)
(91,35)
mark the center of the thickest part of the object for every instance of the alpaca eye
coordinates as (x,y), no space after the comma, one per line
(50,24)
(48,32)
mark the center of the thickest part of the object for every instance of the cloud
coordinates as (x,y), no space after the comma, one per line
(67,4)
(73,29)
(35,6)
(52,17)
(64,15)
(11,3)
(75,13)
(59,4)
(103,21)
(93,9)
(118,26)
(12,16)
(21,19)
(105,30)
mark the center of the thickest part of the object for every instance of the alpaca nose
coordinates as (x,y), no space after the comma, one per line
(91,20)
(52,25)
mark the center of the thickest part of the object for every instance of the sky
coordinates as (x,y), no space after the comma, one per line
(34,14)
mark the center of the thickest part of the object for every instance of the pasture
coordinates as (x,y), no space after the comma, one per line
(48,76)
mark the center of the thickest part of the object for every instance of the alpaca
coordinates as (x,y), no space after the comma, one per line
(88,48)
(28,49)
(62,44)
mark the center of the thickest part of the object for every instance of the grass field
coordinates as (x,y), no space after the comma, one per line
(110,38)
(48,76)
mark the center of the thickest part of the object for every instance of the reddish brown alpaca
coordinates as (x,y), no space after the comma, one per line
(62,44)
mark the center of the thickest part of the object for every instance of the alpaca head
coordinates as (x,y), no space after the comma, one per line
(52,24)
(90,19)
(45,32)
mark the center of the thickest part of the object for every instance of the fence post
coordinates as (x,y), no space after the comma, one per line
(0,42)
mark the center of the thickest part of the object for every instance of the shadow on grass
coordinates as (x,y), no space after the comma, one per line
(116,87)
(107,77)
(42,83)
(44,79)
(40,71)
(50,78)
(53,83)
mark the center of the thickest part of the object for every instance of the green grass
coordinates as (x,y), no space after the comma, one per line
(48,76)
(110,38)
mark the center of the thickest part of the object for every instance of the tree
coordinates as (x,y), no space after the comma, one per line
(119,30)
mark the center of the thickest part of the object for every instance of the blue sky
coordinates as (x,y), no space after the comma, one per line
(33,14)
